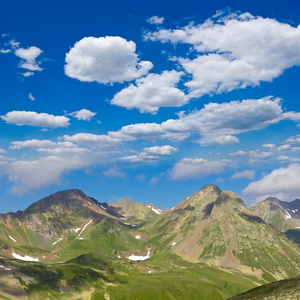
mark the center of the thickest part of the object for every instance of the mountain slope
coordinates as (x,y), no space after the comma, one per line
(282,215)
(209,246)
(135,210)
(283,289)
(215,227)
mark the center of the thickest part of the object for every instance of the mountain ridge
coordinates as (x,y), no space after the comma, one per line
(210,229)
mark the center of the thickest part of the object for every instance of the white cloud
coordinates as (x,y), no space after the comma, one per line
(31,97)
(105,60)
(137,131)
(155,20)
(259,154)
(93,140)
(29,57)
(234,51)
(283,148)
(30,118)
(63,150)
(83,114)
(189,168)
(114,172)
(37,174)
(160,150)
(218,140)
(152,92)
(250,174)
(36,144)
(282,183)
(27,74)
(2,151)
(215,123)
(293,139)
(150,154)
(4,51)
(271,146)
(33,144)
(238,153)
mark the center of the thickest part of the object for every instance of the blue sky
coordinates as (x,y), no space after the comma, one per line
(150,101)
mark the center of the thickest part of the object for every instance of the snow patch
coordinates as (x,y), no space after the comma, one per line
(172,207)
(149,272)
(80,238)
(157,211)
(173,244)
(25,258)
(288,216)
(89,203)
(6,269)
(119,256)
(137,237)
(123,218)
(84,228)
(12,238)
(57,241)
(102,207)
(139,257)
(77,229)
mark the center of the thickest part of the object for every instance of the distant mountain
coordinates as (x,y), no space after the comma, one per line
(215,227)
(282,215)
(209,246)
(135,210)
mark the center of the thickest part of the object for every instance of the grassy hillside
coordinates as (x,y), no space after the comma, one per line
(209,246)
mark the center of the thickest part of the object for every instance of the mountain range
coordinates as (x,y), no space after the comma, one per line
(209,246)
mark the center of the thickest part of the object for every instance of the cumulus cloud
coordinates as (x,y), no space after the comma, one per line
(238,153)
(93,140)
(282,183)
(160,150)
(83,114)
(189,168)
(2,151)
(293,139)
(271,146)
(234,51)
(150,154)
(47,146)
(31,97)
(29,57)
(250,174)
(218,140)
(37,174)
(152,92)
(31,118)
(215,123)
(155,20)
(105,60)
(27,74)
(33,144)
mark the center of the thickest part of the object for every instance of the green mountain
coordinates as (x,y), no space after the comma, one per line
(209,246)
(216,228)
(282,215)
(288,289)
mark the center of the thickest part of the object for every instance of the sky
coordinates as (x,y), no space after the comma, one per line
(149,100)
